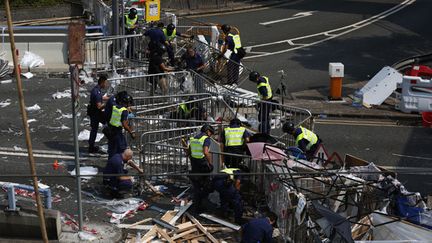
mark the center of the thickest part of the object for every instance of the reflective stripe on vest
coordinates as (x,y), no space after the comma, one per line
(116,116)
(237,42)
(234,136)
(196,146)
(130,23)
(230,172)
(170,37)
(308,135)
(184,108)
(268,87)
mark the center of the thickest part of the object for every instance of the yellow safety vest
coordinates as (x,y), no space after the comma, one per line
(230,172)
(234,136)
(116,116)
(130,23)
(170,37)
(268,87)
(184,108)
(308,135)
(196,146)
(237,42)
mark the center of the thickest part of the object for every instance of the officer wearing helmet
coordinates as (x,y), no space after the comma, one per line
(266,95)
(156,66)
(118,121)
(232,43)
(305,139)
(198,151)
(171,33)
(130,21)
(233,140)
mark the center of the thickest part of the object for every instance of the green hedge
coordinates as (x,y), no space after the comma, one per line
(31,3)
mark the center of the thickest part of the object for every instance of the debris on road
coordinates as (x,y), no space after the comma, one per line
(27,75)
(7,81)
(84,135)
(35,107)
(86,172)
(64,94)
(31,60)
(5,103)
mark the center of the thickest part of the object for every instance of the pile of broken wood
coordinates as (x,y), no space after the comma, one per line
(189,229)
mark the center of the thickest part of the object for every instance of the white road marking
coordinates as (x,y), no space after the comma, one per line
(329,35)
(295,16)
(413,157)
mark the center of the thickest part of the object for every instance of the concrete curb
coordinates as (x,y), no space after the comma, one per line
(181,13)
(401,117)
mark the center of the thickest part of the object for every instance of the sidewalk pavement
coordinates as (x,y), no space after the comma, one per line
(236,6)
(317,102)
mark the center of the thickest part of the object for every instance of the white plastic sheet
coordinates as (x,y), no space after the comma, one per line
(84,135)
(31,60)
(86,172)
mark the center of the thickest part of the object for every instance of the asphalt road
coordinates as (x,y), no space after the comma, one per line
(363,51)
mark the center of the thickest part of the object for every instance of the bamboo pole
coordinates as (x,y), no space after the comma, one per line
(25,124)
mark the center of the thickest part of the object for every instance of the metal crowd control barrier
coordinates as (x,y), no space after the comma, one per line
(115,52)
(154,84)
(154,152)
(142,103)
(219,69)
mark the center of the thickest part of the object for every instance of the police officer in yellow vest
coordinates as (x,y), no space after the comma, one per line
(201,162)
(233,140)
(265,94)
(305,139)
(171,33)
(119,120)
(228,186)
(130,21)
(232,43)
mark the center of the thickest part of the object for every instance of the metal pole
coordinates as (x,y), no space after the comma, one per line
(25,124)
(115,17)
(74,73)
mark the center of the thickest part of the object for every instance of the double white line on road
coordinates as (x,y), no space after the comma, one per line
(359,123)
(326,35)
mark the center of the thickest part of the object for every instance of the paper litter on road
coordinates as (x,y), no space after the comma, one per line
(64,94)
(84,236)
(7,81)
(36,107)
(31,120)
(85,134)
(5,103)
(62,127)
(17,148)
(31,60)
(28,75)
(67,116)
(43,186)
(86,172)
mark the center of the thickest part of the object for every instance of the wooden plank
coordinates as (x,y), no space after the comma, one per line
(221,221)
(175,237)
(164,235)
(192,237)
(137,223)
(180,213)
(184,227)
(200,227)
(168,215)
(138,227)
(152,233)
